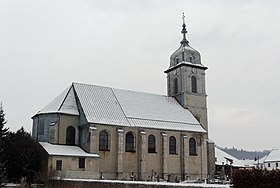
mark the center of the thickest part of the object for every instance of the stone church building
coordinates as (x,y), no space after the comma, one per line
(94,132)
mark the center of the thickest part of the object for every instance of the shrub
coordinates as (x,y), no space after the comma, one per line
(254,178)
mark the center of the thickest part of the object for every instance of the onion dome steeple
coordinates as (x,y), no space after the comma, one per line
(185,54)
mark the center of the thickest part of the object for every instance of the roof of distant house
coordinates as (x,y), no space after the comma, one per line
(273,156)
(223,158)
(104,105)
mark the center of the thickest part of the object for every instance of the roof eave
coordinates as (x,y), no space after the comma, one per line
(186,64)
(54,112)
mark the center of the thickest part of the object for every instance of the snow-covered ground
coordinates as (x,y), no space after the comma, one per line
(155,183)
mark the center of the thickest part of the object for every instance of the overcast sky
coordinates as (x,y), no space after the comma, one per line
(47,45)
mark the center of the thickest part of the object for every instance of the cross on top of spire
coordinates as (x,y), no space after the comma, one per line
(184,31)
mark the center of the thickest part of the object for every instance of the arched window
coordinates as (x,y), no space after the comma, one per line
(151,144)
(104,141)
(194,84)
(129,142)
(192,146)
(175,85)
(172,145)
(70,135)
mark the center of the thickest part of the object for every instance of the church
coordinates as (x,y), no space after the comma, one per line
(97,132)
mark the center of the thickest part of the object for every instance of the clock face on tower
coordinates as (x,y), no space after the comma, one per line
(194,70)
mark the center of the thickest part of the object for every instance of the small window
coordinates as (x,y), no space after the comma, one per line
(41,126)
(192,146)
(194,84)
(268,164)
(82,162)
(130,142)
(70,135)
(175,85)
(58,165)
(177,60)
(276,165)
(191,59)
(104,141)
(172,145)
(151,144)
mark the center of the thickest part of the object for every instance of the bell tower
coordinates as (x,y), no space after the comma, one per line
(186,79)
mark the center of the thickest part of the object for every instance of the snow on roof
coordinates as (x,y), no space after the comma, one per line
(65,150)
(63,103)
(104,105)
(226,159)
(153,107)
(273,156)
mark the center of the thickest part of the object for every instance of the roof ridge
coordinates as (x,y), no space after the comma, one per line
(120,106)
(64,98)
(87,84)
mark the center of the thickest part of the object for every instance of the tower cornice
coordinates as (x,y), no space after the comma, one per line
(186,64)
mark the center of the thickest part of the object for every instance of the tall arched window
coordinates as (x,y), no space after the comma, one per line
(70,135)
(192,146)
(104,141)
(194,84)
(175,85)
(151,144)
(172,145)
(129,142)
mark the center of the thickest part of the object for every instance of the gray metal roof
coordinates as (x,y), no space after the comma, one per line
(64,103)
(104,105)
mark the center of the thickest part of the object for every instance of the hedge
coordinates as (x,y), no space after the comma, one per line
(255,178)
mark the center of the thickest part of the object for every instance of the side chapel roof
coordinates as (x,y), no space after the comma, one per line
(105,105)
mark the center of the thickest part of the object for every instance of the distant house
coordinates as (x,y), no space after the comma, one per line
(226,164)
(272,161)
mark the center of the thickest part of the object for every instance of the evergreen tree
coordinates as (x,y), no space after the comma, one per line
(3,131)
(22,155)
(3,134)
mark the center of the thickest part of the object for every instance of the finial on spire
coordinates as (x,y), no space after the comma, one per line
(184,31)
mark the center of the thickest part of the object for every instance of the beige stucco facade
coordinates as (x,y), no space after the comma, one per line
(116,163)
(70,167)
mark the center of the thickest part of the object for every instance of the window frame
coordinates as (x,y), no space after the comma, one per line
(41,126)
(151,143)
(70,136)
(192,147)
(130,142)
(194,84)
(58,166)
(176,88)
(104,141)
(82,162)
(172,145)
